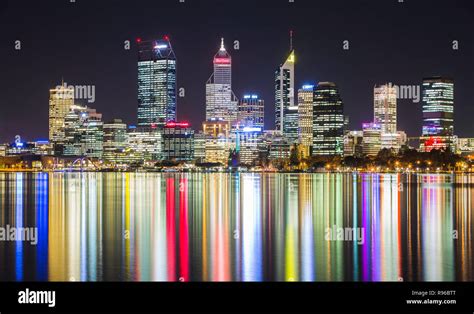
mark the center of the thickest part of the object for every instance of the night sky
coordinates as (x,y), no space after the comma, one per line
(82,42)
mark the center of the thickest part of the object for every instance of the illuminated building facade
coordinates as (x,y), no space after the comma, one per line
(115,141)
(286,112)
(371,143)
(61,100)
(216,128)
(328,120)
(178,141)
(305,115)
(84,134)
(144,144)
(200,146)
(218,150)
(221,103)
(353,143)
(156,82)
(248,144)
(438,113)
(385,108)
(251,111)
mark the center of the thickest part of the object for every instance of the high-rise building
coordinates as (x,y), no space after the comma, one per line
(385,108)
(221,103)
(61,100)
(305,115)
(115,140)
(438,113)
(84,134)
(328,120)
(286,112)
(251,111)
(438,103)
(178,141)
(156,82)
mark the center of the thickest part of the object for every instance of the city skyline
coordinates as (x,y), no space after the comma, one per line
(356,94)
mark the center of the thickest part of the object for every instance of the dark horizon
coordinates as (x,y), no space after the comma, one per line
(82,43)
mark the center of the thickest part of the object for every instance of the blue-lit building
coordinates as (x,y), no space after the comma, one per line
(156,82)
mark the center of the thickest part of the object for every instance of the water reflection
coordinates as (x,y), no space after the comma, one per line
(237,227)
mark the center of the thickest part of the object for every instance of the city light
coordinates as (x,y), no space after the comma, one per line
(177,124)
(251,129)
(161,46)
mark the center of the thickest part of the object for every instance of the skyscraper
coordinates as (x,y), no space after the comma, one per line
(221,103)
(156,82)
(61,100)
(328,120)
(251,111)
(438,104)
(438,113)
(385,108)
(305,114)
(286,112)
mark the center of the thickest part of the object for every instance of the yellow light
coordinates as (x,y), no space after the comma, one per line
(291,57)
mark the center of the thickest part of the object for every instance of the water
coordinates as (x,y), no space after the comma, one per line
(237,227)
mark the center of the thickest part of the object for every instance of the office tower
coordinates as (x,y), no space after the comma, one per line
(438,103)
(328,120)
(438,113)
(115,141)
(156,82)
(286,112)
(251,111)
(305,115)
(221,103)
(385,108)
(178,141)
(61,100)
(371,142)
(84,134)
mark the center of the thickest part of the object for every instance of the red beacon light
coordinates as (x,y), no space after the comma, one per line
(166,37)
(139,40)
